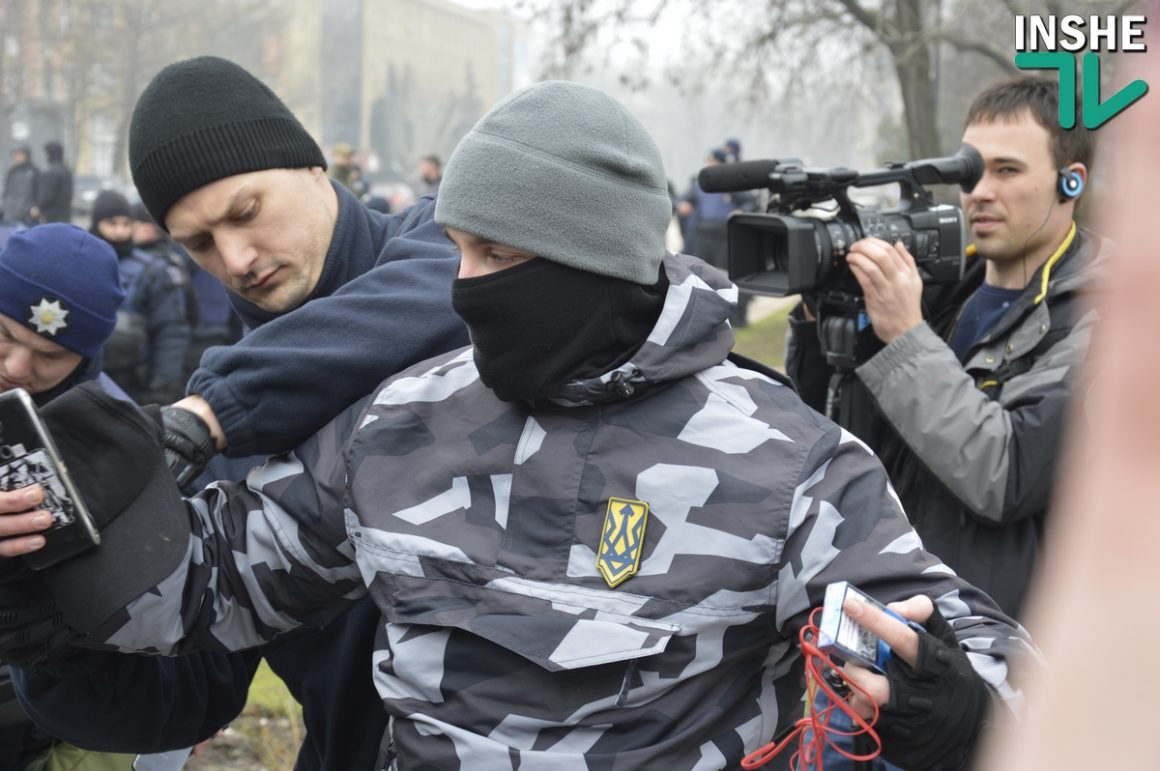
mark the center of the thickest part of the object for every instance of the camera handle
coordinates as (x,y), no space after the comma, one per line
(844,331)
(843,394)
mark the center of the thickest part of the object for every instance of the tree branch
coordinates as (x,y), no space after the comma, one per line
(872,20)
(1002,58)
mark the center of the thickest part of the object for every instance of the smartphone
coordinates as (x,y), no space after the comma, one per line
(29,456)
(843,637)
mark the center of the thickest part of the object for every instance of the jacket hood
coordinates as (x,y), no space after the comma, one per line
(692,333)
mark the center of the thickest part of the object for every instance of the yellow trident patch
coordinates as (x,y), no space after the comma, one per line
(622,541)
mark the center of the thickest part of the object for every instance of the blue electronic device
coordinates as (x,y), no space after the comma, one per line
(843,637)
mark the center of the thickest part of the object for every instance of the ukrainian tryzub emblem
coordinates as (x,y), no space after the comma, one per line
(622,540)
(48,316)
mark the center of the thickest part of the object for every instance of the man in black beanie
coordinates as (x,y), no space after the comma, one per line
(146,353)
(595,534)
(224,167)
(54,188)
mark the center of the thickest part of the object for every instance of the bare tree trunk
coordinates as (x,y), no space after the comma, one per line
(911,53)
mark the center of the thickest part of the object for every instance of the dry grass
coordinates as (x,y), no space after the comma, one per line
(265,737)
(764,340)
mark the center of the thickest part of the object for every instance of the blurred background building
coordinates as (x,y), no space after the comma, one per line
(395,79)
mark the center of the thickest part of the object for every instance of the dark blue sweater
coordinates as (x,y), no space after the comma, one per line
(382,303)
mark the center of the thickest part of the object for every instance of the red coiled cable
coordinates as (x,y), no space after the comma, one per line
(813,731)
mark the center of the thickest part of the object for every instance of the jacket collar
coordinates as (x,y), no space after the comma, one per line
(1082,257)
(692,333)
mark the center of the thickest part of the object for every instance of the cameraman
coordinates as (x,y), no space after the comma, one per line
(965,403)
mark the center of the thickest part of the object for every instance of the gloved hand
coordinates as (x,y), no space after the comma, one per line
(187,439)
(32,629)
(937,708)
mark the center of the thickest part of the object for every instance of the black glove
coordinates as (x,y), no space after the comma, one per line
(32,630)
(189,445)
(937,707)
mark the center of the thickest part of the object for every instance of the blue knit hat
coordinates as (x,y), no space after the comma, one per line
(63,284)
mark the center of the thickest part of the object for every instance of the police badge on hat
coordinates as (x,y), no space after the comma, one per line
(622,541)
(48,316)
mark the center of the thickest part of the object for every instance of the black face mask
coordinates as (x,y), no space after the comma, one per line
(122,248)
(541,324)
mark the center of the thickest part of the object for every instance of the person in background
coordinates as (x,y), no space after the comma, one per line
(19,197)
(212,320)
(342,166)
(430,175)
(732,148)
(54,190)
(706,218)
(146,353)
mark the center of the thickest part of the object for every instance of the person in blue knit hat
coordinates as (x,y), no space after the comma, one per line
(59,295)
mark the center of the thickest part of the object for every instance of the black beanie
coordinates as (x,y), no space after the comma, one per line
(204,119)
(108,204)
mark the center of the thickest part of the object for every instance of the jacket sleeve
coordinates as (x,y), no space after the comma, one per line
(846,524)
(997,458)
(288,377)
(265,557)
(119,702)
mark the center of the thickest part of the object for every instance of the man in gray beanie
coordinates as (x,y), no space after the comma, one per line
(595,535)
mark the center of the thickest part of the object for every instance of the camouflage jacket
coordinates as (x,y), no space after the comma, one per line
(613,580)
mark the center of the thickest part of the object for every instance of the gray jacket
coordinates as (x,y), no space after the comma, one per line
(534,615)
(982,438)
(19,193)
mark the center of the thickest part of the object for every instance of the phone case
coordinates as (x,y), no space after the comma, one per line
(841,636)
(29,456)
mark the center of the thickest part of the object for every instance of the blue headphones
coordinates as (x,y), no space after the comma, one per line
(1070,184)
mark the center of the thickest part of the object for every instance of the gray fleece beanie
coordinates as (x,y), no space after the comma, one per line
(565,172)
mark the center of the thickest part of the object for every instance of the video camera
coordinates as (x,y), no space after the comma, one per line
(784,252)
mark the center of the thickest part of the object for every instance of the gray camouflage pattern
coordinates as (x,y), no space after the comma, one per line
(475,526)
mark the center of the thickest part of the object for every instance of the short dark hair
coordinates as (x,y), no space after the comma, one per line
(1040,97)
(434,159)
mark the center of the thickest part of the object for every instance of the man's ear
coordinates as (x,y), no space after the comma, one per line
(1072,181)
